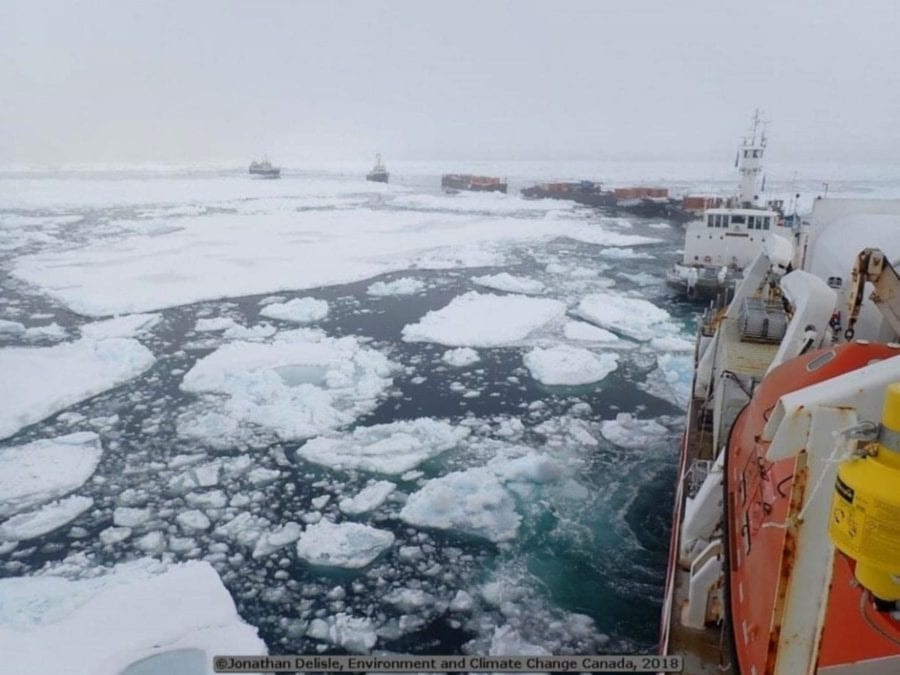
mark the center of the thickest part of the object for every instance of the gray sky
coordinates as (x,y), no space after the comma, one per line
(149,81)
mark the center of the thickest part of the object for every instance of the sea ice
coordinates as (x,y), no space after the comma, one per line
(460,357)
(368,499)
(627,431)
(43,470)
(506,641)
(296,387)
(510,283)
(484,320)
(402,286)
(355,634)
(471,501)
(633,317)
(393,448)
(565,365)
(298,310)
(214,324)
(180,617)
(269,542)
(44,519)
(585,332)
(120,327)
(348,545)
(42,380)
(255,253)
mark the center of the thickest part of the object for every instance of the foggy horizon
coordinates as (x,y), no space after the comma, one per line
(302,82)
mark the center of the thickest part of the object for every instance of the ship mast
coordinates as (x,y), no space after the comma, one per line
(750,156)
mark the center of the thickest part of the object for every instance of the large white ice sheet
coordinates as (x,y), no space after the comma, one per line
(227,255)
(633,317)
(484,320)
(40,471)
(101,625)
(565,365)
(37,382)
(348,545)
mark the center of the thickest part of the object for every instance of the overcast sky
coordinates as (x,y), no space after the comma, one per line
(181,81)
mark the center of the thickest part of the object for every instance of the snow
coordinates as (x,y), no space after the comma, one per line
(347,545)
(368,499)
(472,502)
(393,448)
(44,519)
(355,634)
(298,310)
(510,283)
(633,317)
(103,625)
(585,332)
(629,432)
(460,357)
(565,365)
(121,327)
(218,255)
(43,470)
(300,385)
(479,320)
(401,286)
(40,381)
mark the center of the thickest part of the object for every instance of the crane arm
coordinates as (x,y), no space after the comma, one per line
(872,266)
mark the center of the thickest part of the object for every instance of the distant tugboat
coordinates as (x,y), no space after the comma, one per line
(378,174)
(265,169)
(456,181)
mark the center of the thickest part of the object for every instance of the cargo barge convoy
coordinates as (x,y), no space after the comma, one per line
(785,545)
(464,181)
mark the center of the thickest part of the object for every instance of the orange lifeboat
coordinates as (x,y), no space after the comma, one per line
(758,496)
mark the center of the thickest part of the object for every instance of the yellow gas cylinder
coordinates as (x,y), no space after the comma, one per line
(865,512)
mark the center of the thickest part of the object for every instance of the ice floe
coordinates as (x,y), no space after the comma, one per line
(510,283)
(629,432)
(402,286)
(138,615)
(473,502)
(484,320)
(355,634)
(368,499)
(298,310)
(120,327)
(42,380)
(300,385)
(44,519)
(348,545)
(633,317)
(585,332)
(41,471)
(566,365)
(460,357)
(393,448)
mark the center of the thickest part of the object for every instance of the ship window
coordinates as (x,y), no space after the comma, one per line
(820,361)
(746,153)
(738,220)
(835,282)
(756,153)
(709,220)
(766,222)
(751,222)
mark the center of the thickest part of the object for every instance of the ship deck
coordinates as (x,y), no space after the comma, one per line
(707,650)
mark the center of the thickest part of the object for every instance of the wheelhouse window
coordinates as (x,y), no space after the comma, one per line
(751,222)
(766,221)
(710,219)
(738,220)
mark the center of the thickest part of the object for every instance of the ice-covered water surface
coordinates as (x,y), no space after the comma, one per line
(458,451)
